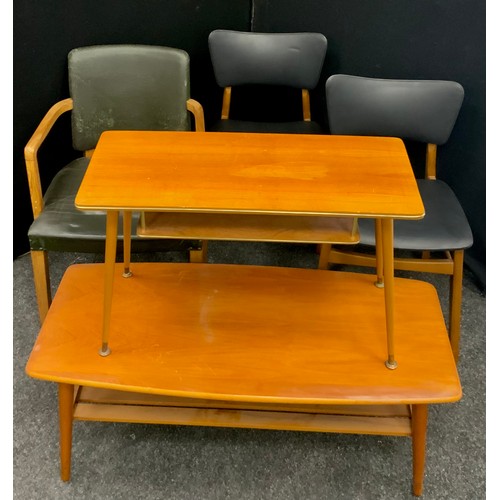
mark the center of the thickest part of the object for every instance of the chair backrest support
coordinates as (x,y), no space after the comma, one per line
(120,87)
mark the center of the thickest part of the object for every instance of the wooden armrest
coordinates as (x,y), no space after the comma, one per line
(45,125)
(31,150)
(199,118)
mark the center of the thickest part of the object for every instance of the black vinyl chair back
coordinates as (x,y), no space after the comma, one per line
(120,87)
(288,59)
(419,110)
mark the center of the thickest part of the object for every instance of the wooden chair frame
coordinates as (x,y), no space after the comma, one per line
(39,258)
(451,264)
(226,104)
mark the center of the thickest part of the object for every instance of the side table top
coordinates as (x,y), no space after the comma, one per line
(214,172)
(247,333)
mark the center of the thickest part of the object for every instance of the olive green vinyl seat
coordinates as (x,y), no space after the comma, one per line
(284,61)
(425,112)
(111,87)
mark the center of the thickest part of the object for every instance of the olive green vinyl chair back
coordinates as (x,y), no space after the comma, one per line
(111,87)
(127,88)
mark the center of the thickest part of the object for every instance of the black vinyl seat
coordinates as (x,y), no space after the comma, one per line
(112,87)
(295,127)
(424,111)
(443,227)
(63,228)
(290,60)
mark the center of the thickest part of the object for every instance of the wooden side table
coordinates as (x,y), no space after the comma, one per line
(275,179)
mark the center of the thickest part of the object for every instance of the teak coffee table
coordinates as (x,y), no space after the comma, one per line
(247,346)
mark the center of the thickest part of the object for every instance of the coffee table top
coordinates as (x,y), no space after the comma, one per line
(247,333)
(212,172)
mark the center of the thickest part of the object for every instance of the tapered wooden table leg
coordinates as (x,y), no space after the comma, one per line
(127,235)
(66,398)
(379,257)
(109,271)
(419,431)
(388,266)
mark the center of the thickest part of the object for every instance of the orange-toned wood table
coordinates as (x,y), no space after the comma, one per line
(243,181)
(247,346)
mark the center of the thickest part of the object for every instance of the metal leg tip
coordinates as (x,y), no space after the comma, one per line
(127,273)
(104,350)
(379,284)
(392,365)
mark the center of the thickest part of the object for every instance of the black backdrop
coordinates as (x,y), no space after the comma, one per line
(427,39)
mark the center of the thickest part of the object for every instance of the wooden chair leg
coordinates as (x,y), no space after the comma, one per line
(324,256)
(66,401)
(456,301)
(40,263)
(199,255)
(419,431)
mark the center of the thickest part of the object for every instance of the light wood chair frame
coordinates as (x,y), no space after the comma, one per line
(39,258)
(450,264)
(226,104)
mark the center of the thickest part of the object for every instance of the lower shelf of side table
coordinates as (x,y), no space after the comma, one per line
(249,227)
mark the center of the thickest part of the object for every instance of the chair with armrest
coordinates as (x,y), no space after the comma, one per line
(291,60)
(112,87)
(424,111)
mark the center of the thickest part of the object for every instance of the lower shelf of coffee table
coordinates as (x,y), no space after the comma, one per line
(119,406)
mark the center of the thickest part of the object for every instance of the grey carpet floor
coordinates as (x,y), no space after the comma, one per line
(133,461)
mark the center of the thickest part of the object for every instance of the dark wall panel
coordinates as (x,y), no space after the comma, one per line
(44,33)
(435,39)
(424,39)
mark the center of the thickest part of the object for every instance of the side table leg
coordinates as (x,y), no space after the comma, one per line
(109,274)
(379,257)
(419,431)
(66,401)
(127,244)
(388,267)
